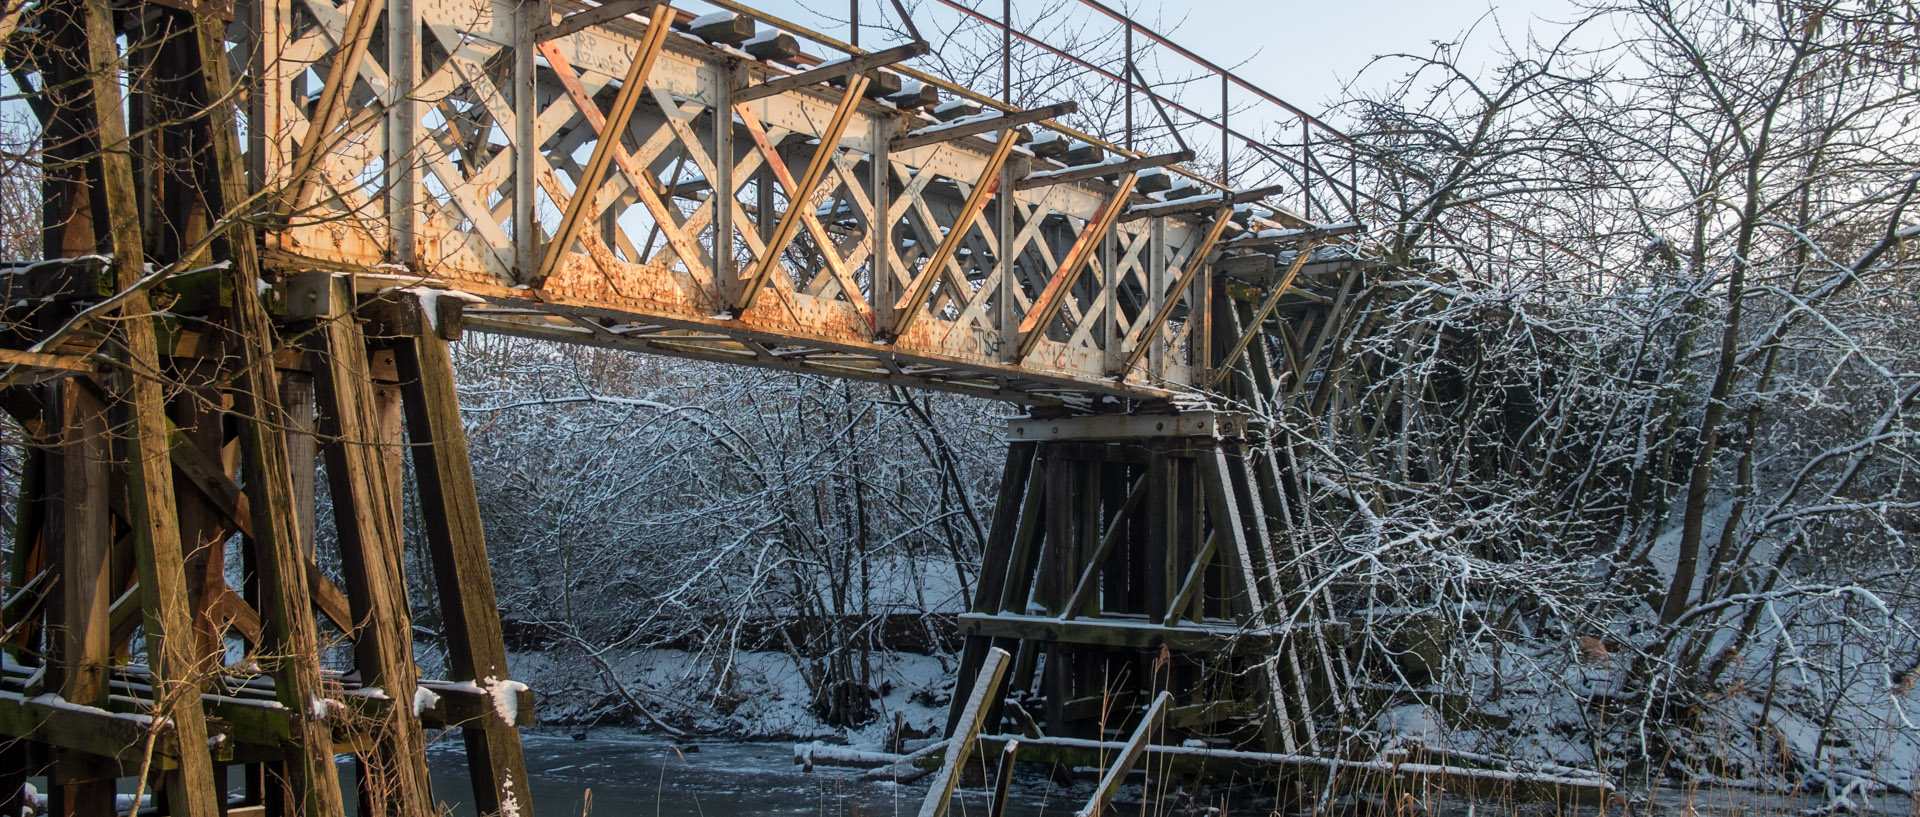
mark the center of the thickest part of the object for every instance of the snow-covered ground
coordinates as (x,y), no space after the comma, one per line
(748,695)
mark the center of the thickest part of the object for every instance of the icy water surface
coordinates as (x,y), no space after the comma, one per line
(645,777)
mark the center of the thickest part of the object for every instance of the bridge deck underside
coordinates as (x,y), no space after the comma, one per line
(811,229)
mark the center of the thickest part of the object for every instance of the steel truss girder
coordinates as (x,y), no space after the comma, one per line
(456,174)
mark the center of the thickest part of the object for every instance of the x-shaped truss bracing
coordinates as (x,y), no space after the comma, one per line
(601,187)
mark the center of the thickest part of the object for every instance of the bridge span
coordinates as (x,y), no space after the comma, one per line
(265,222)
(770,200)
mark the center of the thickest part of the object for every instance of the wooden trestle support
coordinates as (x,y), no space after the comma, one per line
(1127,557)
(298,653)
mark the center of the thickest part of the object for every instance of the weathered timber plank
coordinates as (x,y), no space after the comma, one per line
(362,485)
(985,687)
(291,634)
(450,507)
(1129,755)
(191,791)
(80,533)
(55,722)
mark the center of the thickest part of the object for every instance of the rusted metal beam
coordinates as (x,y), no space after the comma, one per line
(914,301)
(1047,305)
(800,197)
(588,184)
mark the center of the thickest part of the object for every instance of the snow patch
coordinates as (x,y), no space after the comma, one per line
(506,698)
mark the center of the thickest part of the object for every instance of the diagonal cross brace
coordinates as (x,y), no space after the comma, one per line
(1047,304)
(1260,315)
(914,301)
(799,196)
(658,27)
(1197,262)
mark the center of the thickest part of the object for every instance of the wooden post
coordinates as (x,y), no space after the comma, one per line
(80,534)
(362,484)
(169,621)
(450,507)
(290,633)
(1002,779)
(961,743)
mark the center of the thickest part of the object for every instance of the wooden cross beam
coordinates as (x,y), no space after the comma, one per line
(1076,174)
(848,67)
(1198,203)
(961,128)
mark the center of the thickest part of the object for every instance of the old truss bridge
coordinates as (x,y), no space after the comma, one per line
(268,234)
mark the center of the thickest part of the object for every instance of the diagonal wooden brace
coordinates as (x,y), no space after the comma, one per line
(658,27)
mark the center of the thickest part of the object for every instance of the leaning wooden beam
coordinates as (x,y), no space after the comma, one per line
(1152,327)
(370,550)
(191,791)
(1047,304)
(450,509)
(961,128)
(859,64)
(1253,327)
(985,688)
(985,186)
(1198,203)
(1080,174)
(659,25)
(799,197)
(291,635)
(1122,765)
(995,562)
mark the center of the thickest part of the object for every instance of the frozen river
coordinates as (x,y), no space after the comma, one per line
(643,776)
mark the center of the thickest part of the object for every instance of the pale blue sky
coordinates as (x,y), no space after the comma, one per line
(1297,50)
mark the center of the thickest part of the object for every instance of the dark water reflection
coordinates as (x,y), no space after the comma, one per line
(643,777)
